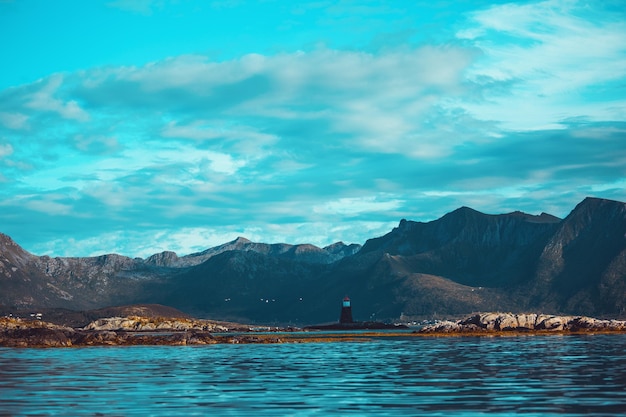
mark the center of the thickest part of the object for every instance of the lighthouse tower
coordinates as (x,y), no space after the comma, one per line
(346,312)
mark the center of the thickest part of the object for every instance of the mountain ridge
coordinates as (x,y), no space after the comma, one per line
(464,261)
(306,251)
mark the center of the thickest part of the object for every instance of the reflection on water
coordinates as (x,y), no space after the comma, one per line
(530,376)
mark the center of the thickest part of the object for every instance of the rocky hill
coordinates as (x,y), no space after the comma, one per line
(304,253)
(463,262)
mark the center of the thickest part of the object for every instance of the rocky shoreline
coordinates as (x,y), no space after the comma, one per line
(136,330)
(122,331)
(507,323)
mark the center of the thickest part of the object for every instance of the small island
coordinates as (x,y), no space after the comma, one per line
(482,324)
(346,322)
(139,325)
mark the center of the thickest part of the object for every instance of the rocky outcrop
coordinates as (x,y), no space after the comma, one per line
(509,322)
(15,332)
(36,337)
(121,331)
(166,258)
(150,324)
(110,338)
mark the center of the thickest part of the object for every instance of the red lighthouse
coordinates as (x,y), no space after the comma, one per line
(346,312)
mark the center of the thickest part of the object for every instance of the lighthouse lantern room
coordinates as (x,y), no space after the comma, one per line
(346,312)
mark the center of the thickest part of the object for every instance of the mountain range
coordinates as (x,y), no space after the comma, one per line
(466,261)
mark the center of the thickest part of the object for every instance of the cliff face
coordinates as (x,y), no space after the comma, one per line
(470,247)
(583,265)
(465,261)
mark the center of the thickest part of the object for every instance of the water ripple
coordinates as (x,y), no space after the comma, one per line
(530,376)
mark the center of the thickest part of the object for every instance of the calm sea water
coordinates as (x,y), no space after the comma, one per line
(529,376)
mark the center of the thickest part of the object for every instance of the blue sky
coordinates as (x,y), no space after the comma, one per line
(136,126)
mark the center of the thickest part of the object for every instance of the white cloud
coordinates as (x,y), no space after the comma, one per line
(14,120)
(219,162)
(196,131)
(112,195)
(5,150)
(187,240)
(619,184)
(223,163)
(551,55)
(193,73)
(96,144)
(48,205)
(44,100)
(377,100)
(354,206)
(307,146)
(247,139)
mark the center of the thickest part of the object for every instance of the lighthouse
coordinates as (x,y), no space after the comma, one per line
(346,312)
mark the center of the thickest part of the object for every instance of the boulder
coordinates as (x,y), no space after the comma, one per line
(526,321)
(553,323)
(490,321)
(505,322)
(451,327)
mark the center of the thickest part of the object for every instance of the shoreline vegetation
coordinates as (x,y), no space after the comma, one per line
(153,331)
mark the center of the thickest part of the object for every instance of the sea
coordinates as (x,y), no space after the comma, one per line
(572,375)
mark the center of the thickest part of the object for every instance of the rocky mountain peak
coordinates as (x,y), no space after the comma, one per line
(336,247)
(240,241)
(593,215)
(464,212)
(12,252)
(598,205)
(7,242)
(165,258)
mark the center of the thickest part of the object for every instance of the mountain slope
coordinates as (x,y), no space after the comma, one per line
(77,283)
(33,281)
(463,262)
(470,247)
(245,286)
(304,252)
(583,266)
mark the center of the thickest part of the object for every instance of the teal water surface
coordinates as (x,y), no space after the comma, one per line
(458,376)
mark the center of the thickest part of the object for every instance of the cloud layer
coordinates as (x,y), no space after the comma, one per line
(523,107)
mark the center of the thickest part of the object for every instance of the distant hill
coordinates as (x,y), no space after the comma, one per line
(465,261)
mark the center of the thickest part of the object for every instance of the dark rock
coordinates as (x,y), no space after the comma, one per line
(99,338)
(36,337)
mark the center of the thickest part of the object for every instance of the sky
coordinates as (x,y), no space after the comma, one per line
(137,126)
